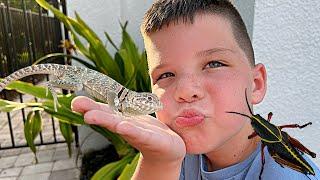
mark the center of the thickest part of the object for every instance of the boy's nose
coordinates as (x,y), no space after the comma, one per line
(189,89)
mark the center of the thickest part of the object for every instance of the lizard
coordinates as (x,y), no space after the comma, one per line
(96,84)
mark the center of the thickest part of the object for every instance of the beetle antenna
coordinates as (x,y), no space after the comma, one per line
(248,102)
(239,114)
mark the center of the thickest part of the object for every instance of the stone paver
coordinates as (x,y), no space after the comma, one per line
(17,125)
(7,162)
(41,176)
(60,153)
(25,150)
(11,172)
(45,155)
(10,152)
(9,178)
(37,168)
(25,159)
(71,174)
(54,163)
(64,164)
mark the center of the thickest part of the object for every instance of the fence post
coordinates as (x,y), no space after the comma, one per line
(27,31)
(3,57)
(32,38)
(5,29)
(7,38)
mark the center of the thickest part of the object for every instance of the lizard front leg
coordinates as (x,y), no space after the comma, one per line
(63,84)
(113,101)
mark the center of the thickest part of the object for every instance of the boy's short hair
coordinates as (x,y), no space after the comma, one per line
(164,12)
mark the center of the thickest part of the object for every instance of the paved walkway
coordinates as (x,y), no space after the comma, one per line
(17,127)
(19,163)
(54,164)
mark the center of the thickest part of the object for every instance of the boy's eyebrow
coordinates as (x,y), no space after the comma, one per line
(211,51)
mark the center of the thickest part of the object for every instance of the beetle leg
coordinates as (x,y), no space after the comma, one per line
(270,116)
(262,160)
(252,135)
(277,158)
(295,125)
(287,163)
(300,147)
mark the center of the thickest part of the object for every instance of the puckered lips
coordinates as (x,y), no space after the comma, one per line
(189,118)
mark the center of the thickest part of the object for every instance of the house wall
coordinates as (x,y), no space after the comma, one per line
(286,38)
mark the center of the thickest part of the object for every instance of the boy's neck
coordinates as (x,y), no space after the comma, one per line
(232,152)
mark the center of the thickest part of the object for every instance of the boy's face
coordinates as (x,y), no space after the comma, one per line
(199,72)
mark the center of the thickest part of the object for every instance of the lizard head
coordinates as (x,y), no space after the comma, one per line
(141,103)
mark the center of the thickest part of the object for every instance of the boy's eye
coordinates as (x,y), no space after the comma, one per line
(214,64)
(165,75)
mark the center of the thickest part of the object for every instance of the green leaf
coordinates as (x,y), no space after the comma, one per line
(119,61)
(81,47)
(8,106)
(110,40)
(32,128)
(112,170)
(66,131)
(102,57)
(129,45)
(128,69)
(29,88)
(144,72)
(128,171)
(63,113)
(37,91)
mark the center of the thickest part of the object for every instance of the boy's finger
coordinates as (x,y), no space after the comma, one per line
(102,118)
(136,135)
(83,104)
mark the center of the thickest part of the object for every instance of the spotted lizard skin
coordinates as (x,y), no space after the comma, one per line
(94,83)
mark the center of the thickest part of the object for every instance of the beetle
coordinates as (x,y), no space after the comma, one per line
(284,149)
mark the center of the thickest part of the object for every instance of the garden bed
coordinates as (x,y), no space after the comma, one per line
(92,162)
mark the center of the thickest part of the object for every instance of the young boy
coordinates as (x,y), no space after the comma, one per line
(201,62)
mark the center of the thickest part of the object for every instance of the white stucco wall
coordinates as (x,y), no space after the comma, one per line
(102,15)
(286,38)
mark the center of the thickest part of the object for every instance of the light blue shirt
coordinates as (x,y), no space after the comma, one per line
(194,168)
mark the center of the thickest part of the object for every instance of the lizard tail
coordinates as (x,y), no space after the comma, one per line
(54,69)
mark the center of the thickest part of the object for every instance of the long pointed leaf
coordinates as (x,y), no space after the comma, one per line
(111,41)
(28,88)
(128,171)
(63,113)
(8,106)
(66,131)
(112,170)
(32,128)
(102,56)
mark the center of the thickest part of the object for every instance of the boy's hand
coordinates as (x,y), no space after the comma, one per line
(155,140)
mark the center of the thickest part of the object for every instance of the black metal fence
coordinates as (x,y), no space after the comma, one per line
(27,32)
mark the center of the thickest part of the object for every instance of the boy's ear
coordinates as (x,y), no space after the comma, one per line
(259,85)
